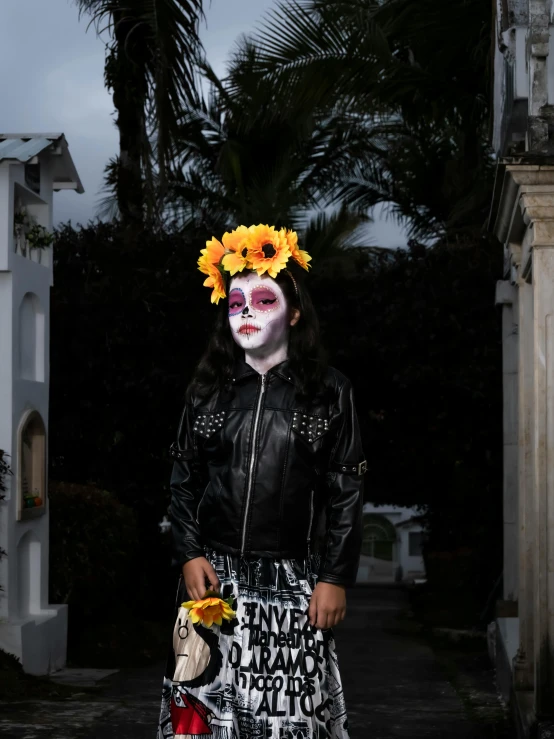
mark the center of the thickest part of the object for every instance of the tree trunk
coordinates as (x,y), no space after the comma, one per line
(127,79)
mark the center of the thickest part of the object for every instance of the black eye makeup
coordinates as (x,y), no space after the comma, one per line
(263,299)
(237,301)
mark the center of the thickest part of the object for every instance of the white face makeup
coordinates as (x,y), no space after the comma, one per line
(258,313)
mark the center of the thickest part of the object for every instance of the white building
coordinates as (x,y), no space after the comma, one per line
(391,549)
(32,167)
(522,217)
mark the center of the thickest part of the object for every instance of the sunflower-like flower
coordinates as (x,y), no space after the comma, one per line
(215,280)
(209,611)
(210,256)
(208,263)
(300,256)
(268,249)
(236,250)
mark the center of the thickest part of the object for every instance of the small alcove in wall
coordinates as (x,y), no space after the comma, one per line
(28,571)
(31,339)
(31,466)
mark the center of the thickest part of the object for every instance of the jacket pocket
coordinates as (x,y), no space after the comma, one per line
(206,424)
(310,427)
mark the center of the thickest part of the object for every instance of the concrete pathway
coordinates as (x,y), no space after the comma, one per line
(395,687)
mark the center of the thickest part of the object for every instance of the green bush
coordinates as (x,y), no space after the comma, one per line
(93,546)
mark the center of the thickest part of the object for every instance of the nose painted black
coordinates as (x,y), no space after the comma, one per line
(245,310)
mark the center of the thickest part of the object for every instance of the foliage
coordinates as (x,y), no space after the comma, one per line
(4,472)
(410,106)
(150,70)
(37,236)
(136,316)
(96,567)
(416,331)
(93,545)
(422,343)
(244,158)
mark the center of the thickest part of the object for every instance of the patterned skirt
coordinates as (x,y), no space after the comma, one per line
(267,674)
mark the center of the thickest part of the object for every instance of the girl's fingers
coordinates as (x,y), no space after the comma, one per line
(312,611)
(322,620)
(212,578)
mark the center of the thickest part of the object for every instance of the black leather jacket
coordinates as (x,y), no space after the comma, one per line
(254,468)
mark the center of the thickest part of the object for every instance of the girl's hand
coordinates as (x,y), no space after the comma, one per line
(199,576)
(327,605)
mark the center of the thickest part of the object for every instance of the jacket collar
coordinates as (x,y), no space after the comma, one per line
(242,370)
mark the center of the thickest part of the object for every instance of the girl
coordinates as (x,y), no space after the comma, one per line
(268,451)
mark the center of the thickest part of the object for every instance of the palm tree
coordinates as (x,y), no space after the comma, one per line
(246,158)
(150,70)
(414,73)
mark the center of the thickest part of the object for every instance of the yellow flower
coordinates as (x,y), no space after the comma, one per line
(300,256)
(215,280)
(210,255)
(268,249)
(208,262)
(209,611)
(236,248)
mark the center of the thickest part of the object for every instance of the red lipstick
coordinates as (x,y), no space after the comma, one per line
(248,328)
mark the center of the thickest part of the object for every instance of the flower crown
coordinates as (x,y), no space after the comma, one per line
(260,248)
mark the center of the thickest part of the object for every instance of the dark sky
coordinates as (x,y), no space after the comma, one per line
(52,80)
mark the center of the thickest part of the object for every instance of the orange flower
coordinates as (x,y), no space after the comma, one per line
(236,247)
(268,249)
(300,256)
(208,264)
(210,255)
(209,611)
(215,280)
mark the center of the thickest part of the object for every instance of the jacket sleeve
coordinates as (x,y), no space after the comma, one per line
(187,485)
(343,539)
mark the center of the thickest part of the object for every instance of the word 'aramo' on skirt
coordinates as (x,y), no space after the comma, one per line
(267,674)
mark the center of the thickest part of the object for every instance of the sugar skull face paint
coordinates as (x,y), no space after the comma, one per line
(237,301)
(258,313)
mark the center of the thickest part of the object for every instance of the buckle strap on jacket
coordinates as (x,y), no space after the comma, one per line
(349,469)
(175,451)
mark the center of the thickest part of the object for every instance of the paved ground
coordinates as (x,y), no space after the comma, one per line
(395,687)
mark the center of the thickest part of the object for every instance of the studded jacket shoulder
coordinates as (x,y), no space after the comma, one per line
(255,470)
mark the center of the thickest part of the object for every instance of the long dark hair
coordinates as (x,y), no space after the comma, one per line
(306,356)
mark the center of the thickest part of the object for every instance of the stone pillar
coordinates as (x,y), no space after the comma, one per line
(537,207)
(524,662)
(543,565)
(524,223)
(506,295)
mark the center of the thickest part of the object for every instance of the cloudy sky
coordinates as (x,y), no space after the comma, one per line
(53,81)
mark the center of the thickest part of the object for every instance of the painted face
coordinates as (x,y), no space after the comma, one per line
(258,313)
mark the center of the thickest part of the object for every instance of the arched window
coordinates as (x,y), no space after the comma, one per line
(379,537)
(31,466)
(31,339)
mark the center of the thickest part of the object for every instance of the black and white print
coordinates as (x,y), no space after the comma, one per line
(268,674)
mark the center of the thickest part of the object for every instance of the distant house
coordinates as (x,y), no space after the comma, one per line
(392,543)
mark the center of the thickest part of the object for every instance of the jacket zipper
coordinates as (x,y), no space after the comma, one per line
(311,515)
(252,462)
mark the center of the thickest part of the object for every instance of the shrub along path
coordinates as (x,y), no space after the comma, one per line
(396,686)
